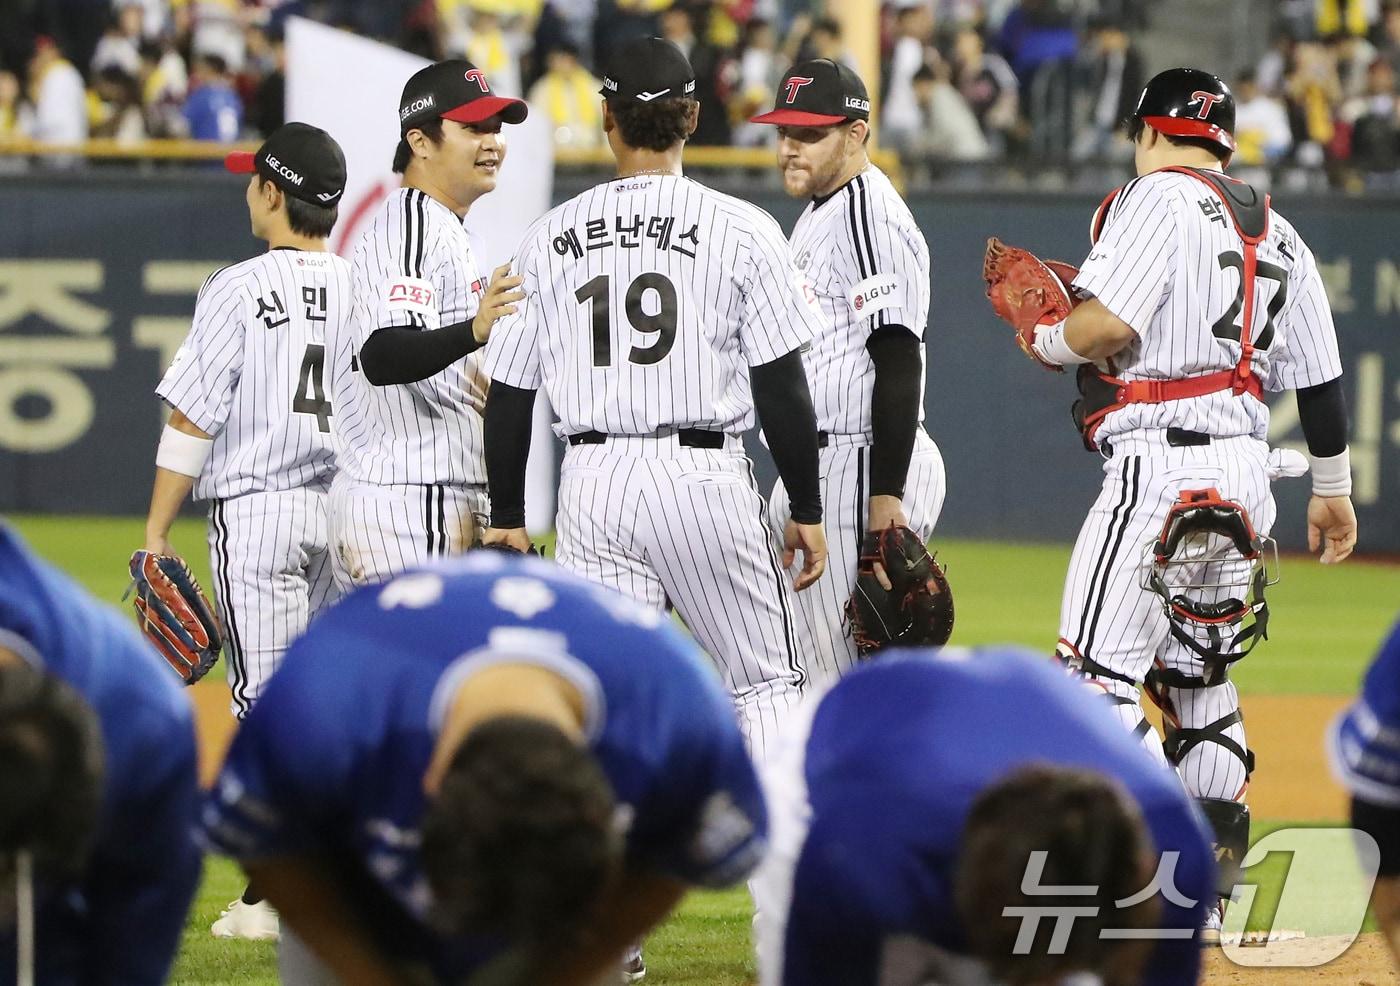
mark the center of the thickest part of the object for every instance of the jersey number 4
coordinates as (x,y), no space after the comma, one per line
(597,292)
(1225,327)
(310,396)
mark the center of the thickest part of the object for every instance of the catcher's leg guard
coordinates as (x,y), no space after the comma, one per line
(1205,736)
(1229,823)
(1119,690)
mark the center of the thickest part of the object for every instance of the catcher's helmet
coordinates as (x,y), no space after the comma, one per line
(1187,102)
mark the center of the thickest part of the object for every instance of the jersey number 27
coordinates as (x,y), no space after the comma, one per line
(598,294)
(1225,326)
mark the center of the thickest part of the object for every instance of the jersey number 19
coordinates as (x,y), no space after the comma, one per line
(597,293)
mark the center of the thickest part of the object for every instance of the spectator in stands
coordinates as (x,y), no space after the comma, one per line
(120,47)
(495,45)
(622,20)
(164,84)
(823,41)
(1375,121)
(1273,67)
(1313,93)
(14,114)
(760,71)
(1262,133)
(60,100)
(1344,17)
(567,94)
(902,115)
(1353,56)
(989,86)
(1116,80)
(119,115)
(1388,35)
(714,75)
(947,128)
(266,96)
(1037,33)
(212,27)
(213,110)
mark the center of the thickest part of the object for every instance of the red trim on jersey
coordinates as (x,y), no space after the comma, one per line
(1176,126)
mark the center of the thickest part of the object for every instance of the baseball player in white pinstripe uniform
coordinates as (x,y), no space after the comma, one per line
(409,393)
(1198,299)
(868,266)
(659,314)
(250,424)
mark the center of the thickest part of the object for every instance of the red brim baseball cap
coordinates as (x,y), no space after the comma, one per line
(454,90)
(818,93)
(796,118)
(241,162)
(302,160)
(484,107)
(1176,126)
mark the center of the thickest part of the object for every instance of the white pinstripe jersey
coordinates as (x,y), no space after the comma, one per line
(646,300)
(414,268)
(251,371)
(1169,262)
(868,264)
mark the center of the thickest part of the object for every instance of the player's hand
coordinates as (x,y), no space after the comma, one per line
(500,298)
(159,544)
(515,538)
(811,539)
(885,511)
(1331,527)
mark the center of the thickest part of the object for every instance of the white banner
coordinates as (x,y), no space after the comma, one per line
(350,86)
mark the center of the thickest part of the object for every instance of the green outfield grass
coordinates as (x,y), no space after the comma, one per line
(1326,625)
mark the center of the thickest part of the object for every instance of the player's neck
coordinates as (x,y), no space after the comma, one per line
(287,240)
(632,162)
(414,178)
(858,164)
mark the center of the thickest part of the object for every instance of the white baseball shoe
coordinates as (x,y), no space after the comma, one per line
(250,922)
(634,970)
(1215,919)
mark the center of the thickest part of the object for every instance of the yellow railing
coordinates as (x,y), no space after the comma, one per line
(755,158)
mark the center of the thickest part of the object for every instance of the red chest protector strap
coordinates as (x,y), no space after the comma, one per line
(1104,394)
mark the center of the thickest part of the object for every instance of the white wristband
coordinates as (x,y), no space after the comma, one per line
(1331,475)
(181,452)
(1051,347)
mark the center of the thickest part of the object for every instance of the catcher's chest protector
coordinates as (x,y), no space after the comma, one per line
(1100,393)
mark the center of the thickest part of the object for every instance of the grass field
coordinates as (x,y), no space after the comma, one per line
(1325,628)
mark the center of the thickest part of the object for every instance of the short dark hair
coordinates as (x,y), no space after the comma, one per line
(50,771)
(307,218)
(520,838)
(655,126)
(403,154)
(1135,125)
(1092,834)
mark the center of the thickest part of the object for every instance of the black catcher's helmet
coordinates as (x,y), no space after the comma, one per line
(1187,102)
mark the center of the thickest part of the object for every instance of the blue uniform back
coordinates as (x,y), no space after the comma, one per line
(897,753)
(1365,741)
(333,754)
(130,907)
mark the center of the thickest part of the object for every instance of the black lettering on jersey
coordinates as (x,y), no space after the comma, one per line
(269,308)
(1225,327)
(597,293)
(314,299)
(310,396)
(597,233)
(693,235)
(567,242)
(1212,210)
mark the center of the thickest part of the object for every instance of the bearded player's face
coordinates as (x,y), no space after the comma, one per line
(812,159)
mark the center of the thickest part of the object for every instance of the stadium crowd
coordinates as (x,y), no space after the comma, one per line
(963,80)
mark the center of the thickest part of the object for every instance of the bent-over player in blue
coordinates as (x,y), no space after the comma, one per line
(913,804)
(489,769)
(112,903)
(1365,749)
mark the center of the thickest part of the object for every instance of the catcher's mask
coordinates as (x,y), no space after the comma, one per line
(1210,570)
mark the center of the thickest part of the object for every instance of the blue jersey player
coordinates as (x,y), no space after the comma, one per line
(484,771)
(931,803)
(1365,748)
(98,784)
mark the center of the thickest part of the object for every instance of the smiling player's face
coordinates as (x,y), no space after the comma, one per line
(468,160)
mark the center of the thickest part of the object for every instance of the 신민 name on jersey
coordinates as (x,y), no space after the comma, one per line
(874,294)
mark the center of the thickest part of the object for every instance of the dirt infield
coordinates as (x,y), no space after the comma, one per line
(1292,782)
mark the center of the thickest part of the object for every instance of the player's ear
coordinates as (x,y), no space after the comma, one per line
(693,119)
(609,124)
(418,143)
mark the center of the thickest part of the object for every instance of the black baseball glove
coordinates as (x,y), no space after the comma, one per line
(917,609)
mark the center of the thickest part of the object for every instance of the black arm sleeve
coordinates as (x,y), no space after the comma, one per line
(1322,411)
(398,354)
(894,407)
(1383,825)
(784,405)
(509,415)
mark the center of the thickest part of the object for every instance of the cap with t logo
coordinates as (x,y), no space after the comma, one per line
(644,69)
(818,93)
(454,90)
(302,160)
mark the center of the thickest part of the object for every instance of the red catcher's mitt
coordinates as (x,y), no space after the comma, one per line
(1027,292)
(917,609)
(174,614)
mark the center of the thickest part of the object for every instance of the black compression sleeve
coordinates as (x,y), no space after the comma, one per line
(894,407)
(1383,825)
(1322,411)
(510,414)
(784,405)
(398,354)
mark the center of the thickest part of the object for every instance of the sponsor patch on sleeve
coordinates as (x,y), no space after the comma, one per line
(411,294)
(876,294)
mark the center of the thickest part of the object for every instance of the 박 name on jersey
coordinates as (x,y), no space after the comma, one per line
(875,294)
(411,294)
(628,236)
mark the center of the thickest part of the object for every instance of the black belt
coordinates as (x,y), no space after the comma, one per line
(1176,438)
(824,437)
(689,437)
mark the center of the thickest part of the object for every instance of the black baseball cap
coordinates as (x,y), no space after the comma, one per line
(454,90)
(818,93)
(644,69)
(302,160)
